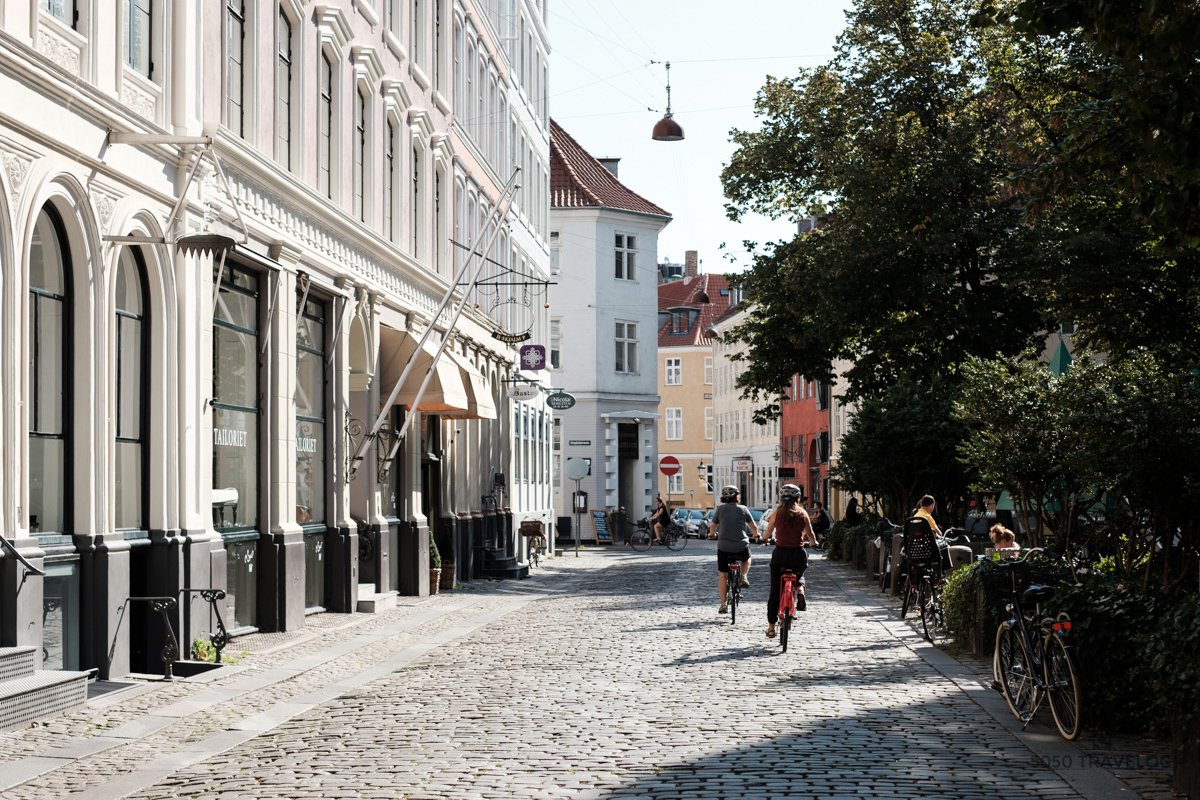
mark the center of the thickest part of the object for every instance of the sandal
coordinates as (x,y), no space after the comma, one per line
(770,631)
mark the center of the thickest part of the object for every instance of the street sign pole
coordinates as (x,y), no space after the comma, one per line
(575,502)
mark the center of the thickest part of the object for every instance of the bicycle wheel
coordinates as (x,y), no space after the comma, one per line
(1062,687)
(908,594)
(785,627)
(735,594)
(640,538)
(885,578)
(925,607)
(1016,673)
(676,537)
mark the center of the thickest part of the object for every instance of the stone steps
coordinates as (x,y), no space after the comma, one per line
(372,602)
(27,693)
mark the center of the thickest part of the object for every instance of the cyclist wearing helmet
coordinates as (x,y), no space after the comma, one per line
(792,529)
(731,526)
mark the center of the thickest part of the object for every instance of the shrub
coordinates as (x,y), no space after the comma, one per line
(203,650)
(435,556)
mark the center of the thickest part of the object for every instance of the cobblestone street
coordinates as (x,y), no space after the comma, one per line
(606,676)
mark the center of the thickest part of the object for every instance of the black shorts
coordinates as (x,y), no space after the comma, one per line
(723,558)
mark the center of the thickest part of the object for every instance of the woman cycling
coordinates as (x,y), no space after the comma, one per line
(792,529)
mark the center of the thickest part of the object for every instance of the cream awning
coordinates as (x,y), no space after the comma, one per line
(446,394)
(481,406)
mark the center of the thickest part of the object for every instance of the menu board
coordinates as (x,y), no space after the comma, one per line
(600,523)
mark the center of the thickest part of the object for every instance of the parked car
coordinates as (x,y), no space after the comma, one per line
(691,519)
(759,514)
(764,521)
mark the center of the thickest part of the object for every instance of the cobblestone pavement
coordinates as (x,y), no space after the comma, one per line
(605,676)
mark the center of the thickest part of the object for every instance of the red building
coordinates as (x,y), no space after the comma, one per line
(804,438)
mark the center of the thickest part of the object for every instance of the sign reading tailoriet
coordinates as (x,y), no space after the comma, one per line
(560,401)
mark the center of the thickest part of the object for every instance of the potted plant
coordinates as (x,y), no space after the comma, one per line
(435,566)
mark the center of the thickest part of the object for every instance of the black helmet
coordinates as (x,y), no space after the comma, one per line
(790,493)
(729,494)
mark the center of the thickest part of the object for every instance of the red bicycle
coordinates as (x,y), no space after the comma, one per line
(791,599)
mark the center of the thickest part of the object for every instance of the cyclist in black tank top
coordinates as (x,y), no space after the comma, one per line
(793,530)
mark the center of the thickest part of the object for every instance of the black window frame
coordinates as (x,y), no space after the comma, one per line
(139,263)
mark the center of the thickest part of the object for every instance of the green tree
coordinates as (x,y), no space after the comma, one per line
(902,443)
(1126,112)
(896,146)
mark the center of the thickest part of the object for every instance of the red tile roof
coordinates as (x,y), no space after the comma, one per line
(577,180)
(681,294)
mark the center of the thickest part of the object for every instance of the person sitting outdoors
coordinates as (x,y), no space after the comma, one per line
(1004,541)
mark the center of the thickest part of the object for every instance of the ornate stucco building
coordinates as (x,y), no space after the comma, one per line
(181,412)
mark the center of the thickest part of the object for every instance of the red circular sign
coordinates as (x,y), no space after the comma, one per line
(668,465)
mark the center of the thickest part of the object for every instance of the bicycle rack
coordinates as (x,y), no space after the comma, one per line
(170,650)
(220,637)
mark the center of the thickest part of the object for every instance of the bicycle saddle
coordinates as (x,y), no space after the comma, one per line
(1037,593)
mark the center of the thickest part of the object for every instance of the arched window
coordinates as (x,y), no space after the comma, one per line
(48,355)
(131,395)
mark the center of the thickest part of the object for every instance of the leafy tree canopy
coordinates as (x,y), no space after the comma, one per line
(897,146)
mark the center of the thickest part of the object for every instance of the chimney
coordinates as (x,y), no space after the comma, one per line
(691,262)
(609,164)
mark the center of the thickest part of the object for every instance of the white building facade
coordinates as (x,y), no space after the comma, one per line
(184,413)
(745,454)
(604,242)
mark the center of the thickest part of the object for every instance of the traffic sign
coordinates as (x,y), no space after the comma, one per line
(668,465)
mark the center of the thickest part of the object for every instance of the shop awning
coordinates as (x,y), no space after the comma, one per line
(481,406)
(446,394)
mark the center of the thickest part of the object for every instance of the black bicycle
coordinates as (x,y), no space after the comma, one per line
(641,535)
(733,588)
(1032,659)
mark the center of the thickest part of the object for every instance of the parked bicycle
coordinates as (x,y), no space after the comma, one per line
(537,547)
(1032,658)
(789,601)
(887,530)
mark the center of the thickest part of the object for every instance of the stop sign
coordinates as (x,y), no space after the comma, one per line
(668,465)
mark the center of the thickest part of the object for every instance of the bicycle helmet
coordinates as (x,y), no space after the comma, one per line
(729,494)
(790,493)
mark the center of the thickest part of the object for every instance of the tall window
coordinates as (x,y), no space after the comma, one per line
(132,400)
(393,181)
(708,422)
(137,46)
(626,343)
(626,256)
(49,397)
(708,370)
(63,10)
(235,62)
(556,343)
(674,372)
(325,128)
(415,205)
(283,93)
(675,484)
(415,33)
(235,408)
(310,445)
(360,154)
(674,428)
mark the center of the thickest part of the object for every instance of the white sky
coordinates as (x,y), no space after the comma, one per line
(601,84)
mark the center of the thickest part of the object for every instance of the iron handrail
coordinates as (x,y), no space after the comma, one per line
(220,637)
(170,650)
(12,548)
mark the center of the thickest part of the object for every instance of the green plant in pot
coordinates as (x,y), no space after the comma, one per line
(435,566)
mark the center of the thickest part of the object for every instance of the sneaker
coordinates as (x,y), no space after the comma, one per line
(724,609)
(744,583)
(800,602)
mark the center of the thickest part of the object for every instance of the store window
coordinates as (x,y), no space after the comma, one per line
(48,355)
(310,446)
(131,392)
(235,408)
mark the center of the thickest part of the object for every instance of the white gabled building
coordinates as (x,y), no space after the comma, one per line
(604,317)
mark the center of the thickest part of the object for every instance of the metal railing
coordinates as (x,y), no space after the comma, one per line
(12,548)
(219,637)
(170,650)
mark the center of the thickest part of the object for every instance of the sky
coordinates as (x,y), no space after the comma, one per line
(603,87)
